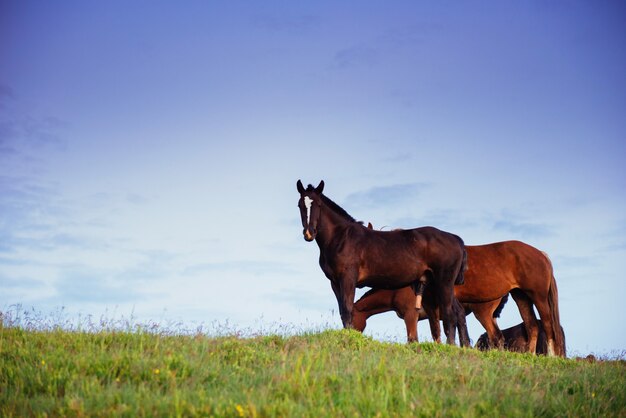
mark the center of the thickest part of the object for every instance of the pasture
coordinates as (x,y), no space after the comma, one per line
(147,372)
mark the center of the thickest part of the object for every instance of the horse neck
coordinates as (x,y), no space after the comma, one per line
(329,224)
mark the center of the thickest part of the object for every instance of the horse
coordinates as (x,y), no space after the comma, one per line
(402,301)
(509,267)
(352,255)
(516,339)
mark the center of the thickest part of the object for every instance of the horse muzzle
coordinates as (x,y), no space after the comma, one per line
(308,236)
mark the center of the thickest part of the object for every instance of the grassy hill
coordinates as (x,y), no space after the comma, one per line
(330,373)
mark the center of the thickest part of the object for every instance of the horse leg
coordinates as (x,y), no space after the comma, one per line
(547,324)
(337,291)
(433,321)
(359,319)
(446,297)
(484,313)
(347,290)
(345,313)
(410,320)
(525,306)
(459,311)
(419,287)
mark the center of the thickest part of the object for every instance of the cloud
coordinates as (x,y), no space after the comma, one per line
(616,246)
(402,37)
(6,95)
(36,218)
(243,266)
(445,219)
(39,132)
(410,36)
(357,56)
(18,283)
(90,285)
(304,300)
(523,229)
(615,238)
(573,263)
(291,25)
(137,199)
(22,134)
(63,281)
(20,288)
(25,135)
(8,133)
(477,225)
(25,210)
(399,157)
(385,196)
(151,265)
(406,97)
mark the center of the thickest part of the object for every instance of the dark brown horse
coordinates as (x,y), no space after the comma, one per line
(516,339)
(511,266)
(352,255)
(402,302)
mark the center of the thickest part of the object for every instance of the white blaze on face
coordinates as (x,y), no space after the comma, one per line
(308,202)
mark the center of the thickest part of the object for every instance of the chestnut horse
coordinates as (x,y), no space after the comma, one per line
(402,302)
(510,266)
(352,255)
(516,339)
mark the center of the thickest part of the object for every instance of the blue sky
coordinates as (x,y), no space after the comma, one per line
(149,150)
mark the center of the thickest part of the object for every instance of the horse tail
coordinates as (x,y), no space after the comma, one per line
(460,278)
(503,301)
(553,302)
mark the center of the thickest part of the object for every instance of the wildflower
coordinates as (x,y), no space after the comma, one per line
(239,409)
(157,371)
(43,362)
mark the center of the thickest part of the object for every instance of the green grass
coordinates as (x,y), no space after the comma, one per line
(134,373)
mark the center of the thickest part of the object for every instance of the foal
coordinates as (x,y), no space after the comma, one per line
(402,302)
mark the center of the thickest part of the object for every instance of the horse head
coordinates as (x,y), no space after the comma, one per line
(310,203)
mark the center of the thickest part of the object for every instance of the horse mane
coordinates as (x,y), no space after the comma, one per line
(336,208)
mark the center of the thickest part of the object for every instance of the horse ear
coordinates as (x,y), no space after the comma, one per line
(300,187)
(320,187)
(370,226)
